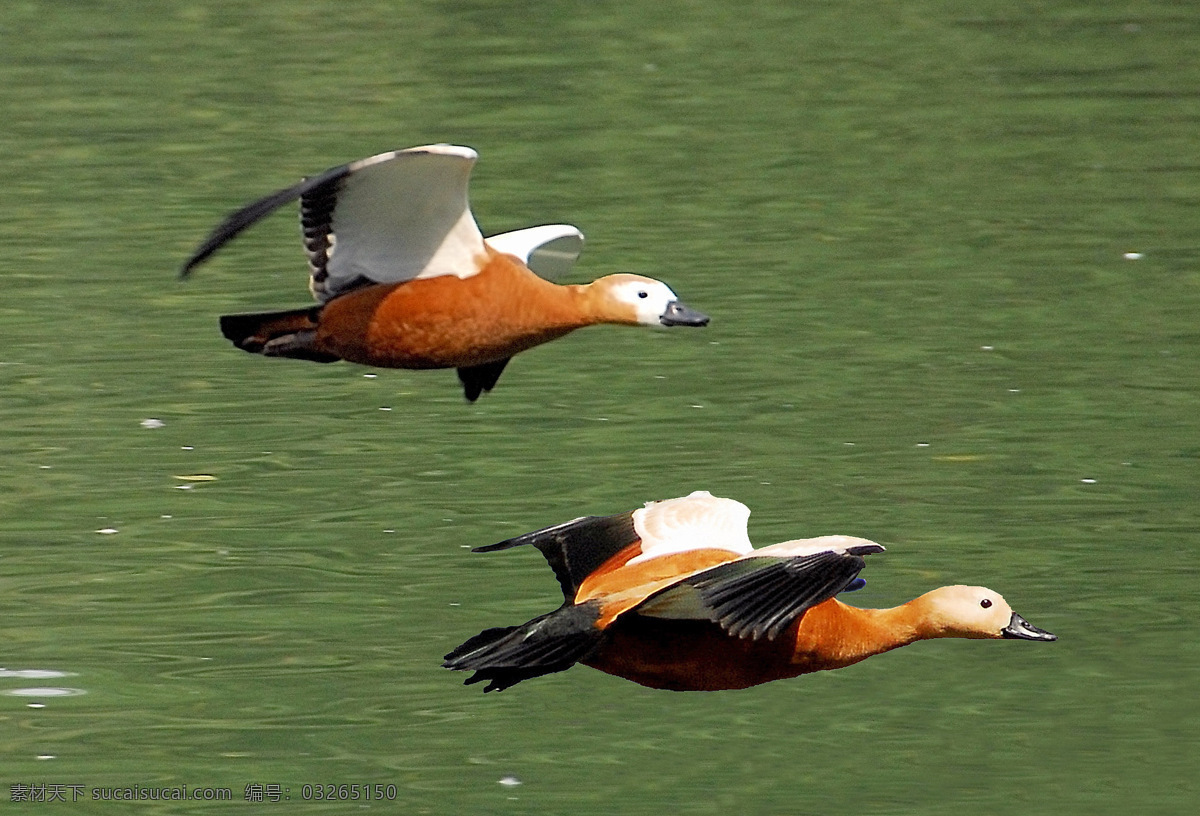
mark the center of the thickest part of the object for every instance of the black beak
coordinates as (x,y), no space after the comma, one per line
(679,315)
(1022,629)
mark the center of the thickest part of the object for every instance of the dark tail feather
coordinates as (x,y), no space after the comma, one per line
(504,656)
(291,333)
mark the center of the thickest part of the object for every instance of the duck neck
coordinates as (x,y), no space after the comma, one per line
(551,307)
(596,305)
(840,634)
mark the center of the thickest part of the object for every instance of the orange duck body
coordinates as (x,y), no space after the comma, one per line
(642,604)
(451,322)
(689,655)
(406,280)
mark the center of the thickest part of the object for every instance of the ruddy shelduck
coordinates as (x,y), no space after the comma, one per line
(405,279)
(674,596)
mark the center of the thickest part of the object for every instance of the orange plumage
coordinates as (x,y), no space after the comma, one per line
(406,280)
(673,596)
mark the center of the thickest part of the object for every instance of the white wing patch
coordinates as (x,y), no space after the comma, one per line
(697,521)
(405,215)
(810,546)
(549,250)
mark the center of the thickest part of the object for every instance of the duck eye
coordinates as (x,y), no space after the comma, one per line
(986,603)
(643,294)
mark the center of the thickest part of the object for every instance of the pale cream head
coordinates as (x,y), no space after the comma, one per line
(642,301)
(645,299)
(966,611)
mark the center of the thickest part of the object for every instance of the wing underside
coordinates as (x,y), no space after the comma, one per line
(388,218)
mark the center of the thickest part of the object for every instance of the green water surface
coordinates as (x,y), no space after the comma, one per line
(950,253)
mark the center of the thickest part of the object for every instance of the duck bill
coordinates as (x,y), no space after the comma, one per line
(678,314)
(1021,629)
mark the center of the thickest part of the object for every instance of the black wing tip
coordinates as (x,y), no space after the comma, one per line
(252,213)
(507,544)
(532,538)
(190,264)
(575,549)
(865,549)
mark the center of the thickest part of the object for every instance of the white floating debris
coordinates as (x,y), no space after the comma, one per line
(186,447)
(44,692)
(1133,256)
(1088,481)
(153,423)
(509,781)
(35,705)
(45,756)
(922,444)
(187,486)
(385,409)
(32,674)
(107,530)
(987,348)
(369,376)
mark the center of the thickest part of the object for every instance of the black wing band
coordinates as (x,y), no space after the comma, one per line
(759,597)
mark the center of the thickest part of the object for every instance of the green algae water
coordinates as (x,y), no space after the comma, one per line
(950,254)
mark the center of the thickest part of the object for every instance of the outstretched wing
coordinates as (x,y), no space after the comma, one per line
(576,548)
(759,595)
(549,250)
(392,217)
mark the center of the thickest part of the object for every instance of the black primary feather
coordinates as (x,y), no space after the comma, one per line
(576,548)
(758,597)
(319,187)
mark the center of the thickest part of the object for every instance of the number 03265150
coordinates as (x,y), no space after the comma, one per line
(347,793)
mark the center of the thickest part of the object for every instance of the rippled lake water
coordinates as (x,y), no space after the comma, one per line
(950,255)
